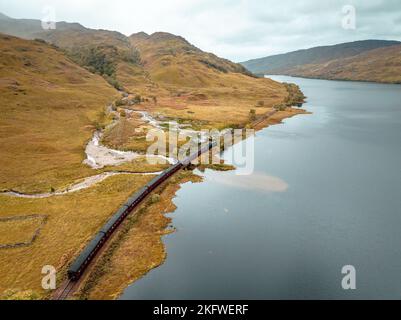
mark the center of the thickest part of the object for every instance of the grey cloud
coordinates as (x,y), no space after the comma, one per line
(235,29)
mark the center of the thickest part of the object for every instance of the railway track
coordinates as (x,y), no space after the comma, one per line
(264,117)
(78,267)
(65,290)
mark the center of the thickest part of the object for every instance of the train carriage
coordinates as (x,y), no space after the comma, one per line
(115,220)
(136,198)
(79,265)
(81,262)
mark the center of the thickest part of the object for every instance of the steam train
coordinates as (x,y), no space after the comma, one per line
(82,261)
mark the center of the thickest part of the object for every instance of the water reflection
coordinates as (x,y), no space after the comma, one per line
(257,181)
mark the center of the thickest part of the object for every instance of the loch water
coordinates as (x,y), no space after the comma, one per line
(325,193)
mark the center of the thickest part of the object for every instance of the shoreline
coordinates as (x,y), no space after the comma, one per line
(150,226)
(113,273)
(334,79)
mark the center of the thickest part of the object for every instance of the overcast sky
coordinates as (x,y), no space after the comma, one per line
(235,29)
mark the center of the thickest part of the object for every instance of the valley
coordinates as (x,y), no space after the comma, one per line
(193,150)
(76,107)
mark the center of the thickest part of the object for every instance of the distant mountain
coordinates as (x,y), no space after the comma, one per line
(172,60)
(100,51)
(334,62)
(117,57)
(378,65)
(4,17)
(31,28)
(163,68)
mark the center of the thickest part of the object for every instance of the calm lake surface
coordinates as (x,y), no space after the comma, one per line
(326,192)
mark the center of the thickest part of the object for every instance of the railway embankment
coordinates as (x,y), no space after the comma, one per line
(89,253)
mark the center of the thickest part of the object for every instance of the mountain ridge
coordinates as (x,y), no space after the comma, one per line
(114,55)
(316,54)
(164,68)
(307,62)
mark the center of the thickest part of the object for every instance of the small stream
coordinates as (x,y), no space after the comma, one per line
(84,184)
(99,156)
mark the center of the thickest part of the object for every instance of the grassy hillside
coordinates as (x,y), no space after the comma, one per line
(172,76)
(291,63)
(172,60)
(100,51)
(379,65)
(190,84)
(49,106)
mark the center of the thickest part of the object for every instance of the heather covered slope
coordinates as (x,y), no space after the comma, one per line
(308,62)
(165,74)
(379,65)
(49,108)
(190,84)
(100,51)
(173,60)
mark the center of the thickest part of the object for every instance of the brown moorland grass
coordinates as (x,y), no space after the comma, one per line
(138,246)
(72,221)
(132,135)
(49,108)
(193,85)
(221,106)
(18,231)
(214,107)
